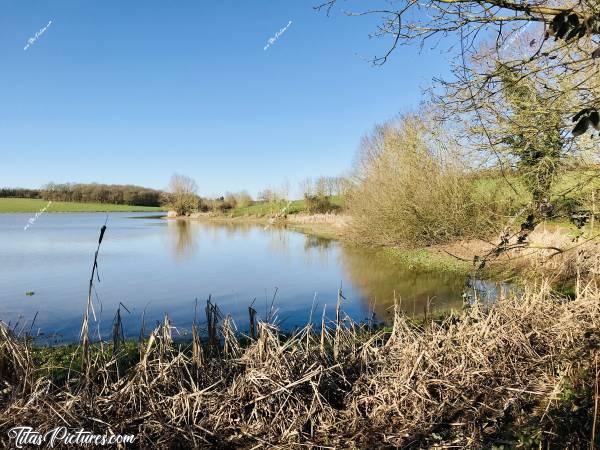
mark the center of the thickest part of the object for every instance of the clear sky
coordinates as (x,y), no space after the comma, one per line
(119,91)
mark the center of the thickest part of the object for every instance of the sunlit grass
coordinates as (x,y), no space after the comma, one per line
(261,209)
(12,205)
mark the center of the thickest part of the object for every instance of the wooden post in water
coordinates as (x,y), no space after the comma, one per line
(252,314)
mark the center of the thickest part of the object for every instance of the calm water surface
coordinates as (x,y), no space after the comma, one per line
(162,266)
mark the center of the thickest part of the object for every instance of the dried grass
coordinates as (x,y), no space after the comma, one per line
(335,220)
(556,254)
(468,381)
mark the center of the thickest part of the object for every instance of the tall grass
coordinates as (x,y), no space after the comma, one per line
(521,372)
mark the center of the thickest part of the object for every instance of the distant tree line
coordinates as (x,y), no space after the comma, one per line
(91,193)
(325,186)
(319,192)
(19,193)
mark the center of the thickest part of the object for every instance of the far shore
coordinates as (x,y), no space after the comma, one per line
(457,256)
(328,226)
(34,205)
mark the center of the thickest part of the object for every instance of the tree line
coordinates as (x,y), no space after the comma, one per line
(91,193)
(182,196)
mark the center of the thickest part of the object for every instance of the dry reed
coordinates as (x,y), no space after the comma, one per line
(468,381)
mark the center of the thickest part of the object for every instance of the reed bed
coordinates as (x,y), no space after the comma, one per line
(522,372)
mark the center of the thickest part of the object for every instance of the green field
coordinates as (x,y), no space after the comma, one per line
(12,205)
(570,188)
(268,209)
(265,209)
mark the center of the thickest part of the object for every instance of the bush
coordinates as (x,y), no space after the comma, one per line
(237,199)
(413,189)
(316,204)
(182,195)
(230,200)
(243,199)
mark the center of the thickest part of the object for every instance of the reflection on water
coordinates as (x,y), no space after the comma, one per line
(486,291)
(164,265)
(380,279)
(317,242)
(183,240)
(279,241)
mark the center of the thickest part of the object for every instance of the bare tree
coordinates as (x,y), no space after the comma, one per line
(183,196)
(284,191)
(574,26)
(523,108)
(267,195)
(414,189)
(306,187)
(321,187)
(342,185)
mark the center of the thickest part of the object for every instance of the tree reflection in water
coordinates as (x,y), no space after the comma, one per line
(182,237)
(378,279)
(375,278)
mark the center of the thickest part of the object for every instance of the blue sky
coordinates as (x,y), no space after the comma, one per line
(132,91)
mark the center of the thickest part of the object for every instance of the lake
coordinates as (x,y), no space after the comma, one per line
(162,266)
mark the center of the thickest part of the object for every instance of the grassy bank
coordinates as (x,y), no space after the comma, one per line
(428,260)
(265,209)
(18,205)
(519,375)
(459,255)
(319,230)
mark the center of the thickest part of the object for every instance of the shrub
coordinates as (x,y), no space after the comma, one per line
(230,200)
(238,199)
(182,195)
(413,189)
(243,199)
(316,204)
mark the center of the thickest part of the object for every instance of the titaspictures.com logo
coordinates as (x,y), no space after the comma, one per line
(27,436)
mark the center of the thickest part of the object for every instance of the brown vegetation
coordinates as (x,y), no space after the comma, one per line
(183,197)
(240,199)
(521,373)
(413,189)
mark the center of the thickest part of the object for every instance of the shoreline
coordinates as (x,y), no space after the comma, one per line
(332,227)
(487,353)
(457,257)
